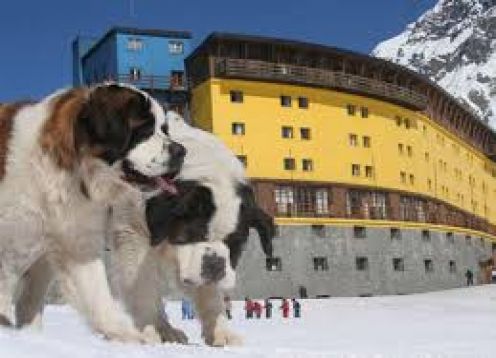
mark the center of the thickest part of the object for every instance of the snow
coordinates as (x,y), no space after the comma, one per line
(450,323)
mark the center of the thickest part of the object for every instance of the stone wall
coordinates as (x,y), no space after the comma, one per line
(298,245)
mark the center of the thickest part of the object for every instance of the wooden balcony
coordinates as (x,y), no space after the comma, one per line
(301,75)
(153,82)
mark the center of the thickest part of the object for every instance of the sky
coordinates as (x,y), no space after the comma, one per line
(36,35)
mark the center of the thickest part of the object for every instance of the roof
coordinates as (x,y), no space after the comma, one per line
(138,32)
(325,49)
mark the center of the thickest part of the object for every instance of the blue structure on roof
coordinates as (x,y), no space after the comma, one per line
(152,60)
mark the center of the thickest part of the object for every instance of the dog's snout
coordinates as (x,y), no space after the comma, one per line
(176,150)
(213,267)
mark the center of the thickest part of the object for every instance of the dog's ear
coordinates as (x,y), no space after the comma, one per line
(257,218)
(264,224)
(107,119)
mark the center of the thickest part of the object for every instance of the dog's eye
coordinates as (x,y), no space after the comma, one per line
(165,129)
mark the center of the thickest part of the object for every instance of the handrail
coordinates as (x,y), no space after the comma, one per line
(256,69)
(151,81)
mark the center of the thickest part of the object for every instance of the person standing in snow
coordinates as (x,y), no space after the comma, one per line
(185,308)
(228,304)
(470,277)
(296,308)
(257,308)
(285,308)
(248,308)
(268,308)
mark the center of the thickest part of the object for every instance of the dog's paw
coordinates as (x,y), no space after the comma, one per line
(173,335)
(225,337)
(148,336)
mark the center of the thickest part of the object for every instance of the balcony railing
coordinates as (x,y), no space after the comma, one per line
(152,82)
(255,69)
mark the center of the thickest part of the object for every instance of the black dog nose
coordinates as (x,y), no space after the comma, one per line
(177,150)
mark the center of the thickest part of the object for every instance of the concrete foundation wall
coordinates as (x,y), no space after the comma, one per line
(298,245)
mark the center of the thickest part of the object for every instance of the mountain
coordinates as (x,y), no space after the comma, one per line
(454,44)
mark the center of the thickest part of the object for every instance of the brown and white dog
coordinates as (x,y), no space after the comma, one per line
(59,172)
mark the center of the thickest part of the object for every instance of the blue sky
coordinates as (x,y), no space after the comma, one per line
(35,56)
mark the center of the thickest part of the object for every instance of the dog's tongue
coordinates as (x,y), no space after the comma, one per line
(166,185)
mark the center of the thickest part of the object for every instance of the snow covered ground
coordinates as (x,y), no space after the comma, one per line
(456,323)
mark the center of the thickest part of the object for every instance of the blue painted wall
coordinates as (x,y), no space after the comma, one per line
(112,57)
(101,62)
(154,58)
(80,46)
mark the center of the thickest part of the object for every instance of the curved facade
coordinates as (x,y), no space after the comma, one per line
(376,176)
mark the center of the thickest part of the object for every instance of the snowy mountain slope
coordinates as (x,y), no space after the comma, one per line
(455,45)
(455,323)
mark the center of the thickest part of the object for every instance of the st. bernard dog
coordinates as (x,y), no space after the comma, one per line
(195,230)
(60,169)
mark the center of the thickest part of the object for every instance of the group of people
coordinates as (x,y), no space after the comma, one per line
(254,308)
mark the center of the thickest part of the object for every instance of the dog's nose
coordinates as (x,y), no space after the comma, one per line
(213,267)
(176,150)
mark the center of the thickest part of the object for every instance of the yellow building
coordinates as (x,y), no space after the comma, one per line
(332,138)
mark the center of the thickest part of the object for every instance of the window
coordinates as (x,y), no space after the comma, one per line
(429,184)
(238,128)
(285,101)
(369,171)
(412,179)
(398,264)
(426,235)
(243,159)
(395,233)
(364,204)
(284,198)
(320,264)
(236,96)
(351,109)
(353,140)
(134,73)
(287,132)
(355,170)
(409,150)
(450,237)
(366,142)
(289,164)
(403,177)
(468,240)
(398,121)
(428,265)
(493,247)
(134,44)
(407,123)
(176,47)
(359,232)
(426,155)
(305,133)
(307,165)
(303,102)
(364,111)
(322,201)
(362,263)
(177,79)
(273,264)
(303,201)
(452,266)
(412,209)
(400,148)
(318,230)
